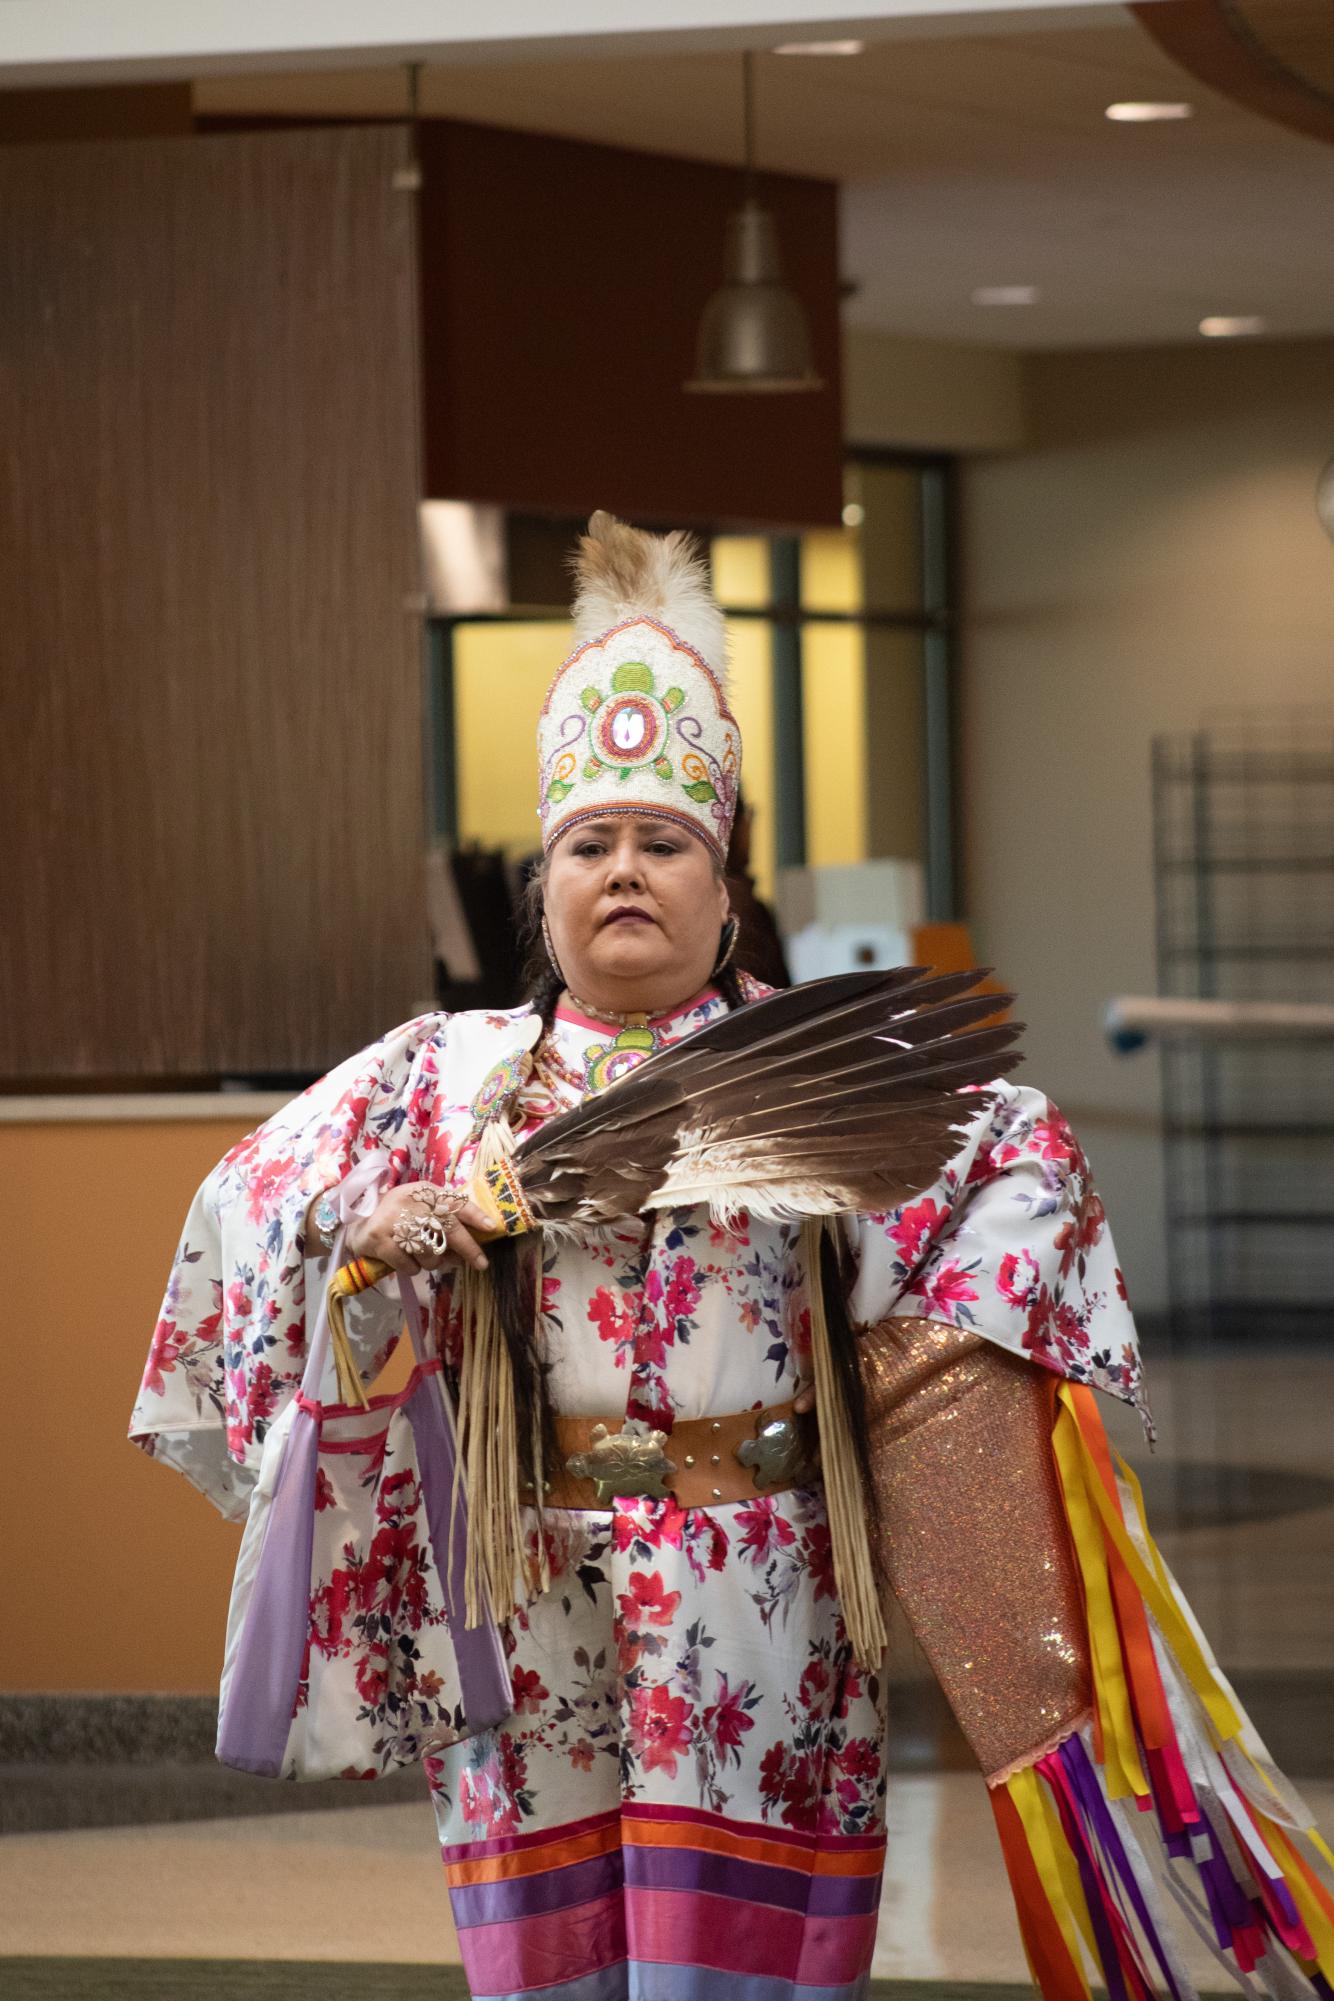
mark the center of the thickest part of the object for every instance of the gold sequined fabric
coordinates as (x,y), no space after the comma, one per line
(973,1537)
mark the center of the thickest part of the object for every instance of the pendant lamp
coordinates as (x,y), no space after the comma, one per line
(753,337)
(408,177)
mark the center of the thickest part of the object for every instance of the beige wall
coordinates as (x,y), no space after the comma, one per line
(1153,555)
(930,395)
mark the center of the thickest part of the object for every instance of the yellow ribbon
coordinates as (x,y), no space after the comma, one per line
(1157,1595)
(1121,1759)
(1313,1915)
(1027,1791)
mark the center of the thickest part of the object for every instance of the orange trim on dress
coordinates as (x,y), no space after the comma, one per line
(532,1861)
(751,1848)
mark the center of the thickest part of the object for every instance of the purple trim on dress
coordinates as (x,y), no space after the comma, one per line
(700,1869)
(516,1897)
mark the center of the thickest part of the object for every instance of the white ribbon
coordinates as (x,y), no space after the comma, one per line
(359,1192)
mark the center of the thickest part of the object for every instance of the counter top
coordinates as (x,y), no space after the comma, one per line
(141,1106)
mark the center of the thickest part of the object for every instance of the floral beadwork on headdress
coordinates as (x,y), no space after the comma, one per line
(636,721)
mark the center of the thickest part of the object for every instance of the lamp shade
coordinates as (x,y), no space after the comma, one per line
(753,335)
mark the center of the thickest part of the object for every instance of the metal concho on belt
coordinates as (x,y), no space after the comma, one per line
(633,1461)
(776,1456)
(626,1463)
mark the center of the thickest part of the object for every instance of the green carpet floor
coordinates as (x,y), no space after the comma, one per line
(225,1980)
(321,1980)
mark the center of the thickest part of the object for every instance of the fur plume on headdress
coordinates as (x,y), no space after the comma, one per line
(623,572)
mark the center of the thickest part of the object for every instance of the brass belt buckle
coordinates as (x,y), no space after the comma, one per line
(775,1456)
(624,1464)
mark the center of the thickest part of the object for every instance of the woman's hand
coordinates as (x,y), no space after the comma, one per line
(373,1236)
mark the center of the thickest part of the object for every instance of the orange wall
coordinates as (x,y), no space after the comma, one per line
(121,1568)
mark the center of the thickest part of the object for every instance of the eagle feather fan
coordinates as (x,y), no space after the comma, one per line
(835,1097)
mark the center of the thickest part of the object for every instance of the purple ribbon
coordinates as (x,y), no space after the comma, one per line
(484,1681)
(1094,1896)
(1088,1791)
(256,1714)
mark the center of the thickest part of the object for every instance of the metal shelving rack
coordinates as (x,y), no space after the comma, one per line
(1244,869)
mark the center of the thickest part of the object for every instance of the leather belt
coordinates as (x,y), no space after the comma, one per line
(703,1462)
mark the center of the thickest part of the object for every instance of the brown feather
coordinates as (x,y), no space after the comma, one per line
(838,1096)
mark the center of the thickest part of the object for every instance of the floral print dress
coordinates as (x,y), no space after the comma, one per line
(690,1789)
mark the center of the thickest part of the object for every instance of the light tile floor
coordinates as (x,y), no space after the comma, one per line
(368,1886)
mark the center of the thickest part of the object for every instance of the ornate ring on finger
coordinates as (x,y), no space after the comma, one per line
(421,1236)
(443,1199)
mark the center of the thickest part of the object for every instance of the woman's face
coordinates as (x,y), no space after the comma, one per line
(634,908)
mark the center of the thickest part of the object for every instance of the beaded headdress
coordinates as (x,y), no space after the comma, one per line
(637,721)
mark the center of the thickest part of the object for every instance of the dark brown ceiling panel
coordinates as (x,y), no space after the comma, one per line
(110,111)
(1273,56)
(562,285)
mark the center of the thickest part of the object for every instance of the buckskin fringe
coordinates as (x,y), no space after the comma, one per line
(854,1568)
(488,1460)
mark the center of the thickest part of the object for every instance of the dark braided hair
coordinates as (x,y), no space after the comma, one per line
(728,983)
(515,1261)
(543,985)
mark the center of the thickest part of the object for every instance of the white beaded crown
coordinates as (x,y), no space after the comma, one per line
(637,721)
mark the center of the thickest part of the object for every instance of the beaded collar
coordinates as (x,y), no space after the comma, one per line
(585,1015)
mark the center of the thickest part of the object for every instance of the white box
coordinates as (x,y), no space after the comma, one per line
(885,892)
(818,950)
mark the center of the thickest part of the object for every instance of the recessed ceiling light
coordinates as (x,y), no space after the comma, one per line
(819,48)
(1223,326)
(1148,114)
(1005,295)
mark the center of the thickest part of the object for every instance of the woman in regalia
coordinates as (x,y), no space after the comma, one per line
(690,1788)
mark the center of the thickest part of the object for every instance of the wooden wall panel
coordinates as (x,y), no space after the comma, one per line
(210,680)
(562,285)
